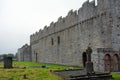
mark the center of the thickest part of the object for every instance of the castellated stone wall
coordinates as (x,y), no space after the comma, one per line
(64,41)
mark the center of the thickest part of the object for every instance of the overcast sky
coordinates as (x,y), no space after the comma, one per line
(21,18)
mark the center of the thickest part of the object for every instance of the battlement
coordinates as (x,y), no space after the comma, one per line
(87,11)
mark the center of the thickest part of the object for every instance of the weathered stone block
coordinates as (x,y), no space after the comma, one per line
(7,62)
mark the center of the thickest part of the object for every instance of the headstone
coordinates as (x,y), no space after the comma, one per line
(7,62)
(24,76)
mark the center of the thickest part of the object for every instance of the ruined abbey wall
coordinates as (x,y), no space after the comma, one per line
(65,41)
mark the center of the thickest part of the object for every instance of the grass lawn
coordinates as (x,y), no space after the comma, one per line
(26,73)
(116,76)
(23,73)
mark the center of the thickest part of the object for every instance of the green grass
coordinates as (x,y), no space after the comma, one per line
(51,66)
(34,73)
(116,76)
(31,73)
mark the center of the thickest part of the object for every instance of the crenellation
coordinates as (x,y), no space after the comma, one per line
(52,23)
(36,36)
(62,23)
(87,7)
(92,3)
(45,27)
(45,31)
(85,4)
(51,27)
(36,33)
(70,13)
(71,18)
(58,24)
(32,38)
(39,34)
(75,12)
(40,30)
(59,19)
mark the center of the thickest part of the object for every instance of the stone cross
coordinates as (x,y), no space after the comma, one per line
(89,51)
(89,64)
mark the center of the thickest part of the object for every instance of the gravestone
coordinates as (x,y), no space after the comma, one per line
(7,62)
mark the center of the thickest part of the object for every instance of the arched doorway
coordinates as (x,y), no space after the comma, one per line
(115,62)
(84,58)
(107,62)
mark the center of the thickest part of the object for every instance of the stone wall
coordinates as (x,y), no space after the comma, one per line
(115,19)
(64,41)
(24,53)
(18,55)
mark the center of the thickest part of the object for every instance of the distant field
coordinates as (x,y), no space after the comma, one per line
(25,73)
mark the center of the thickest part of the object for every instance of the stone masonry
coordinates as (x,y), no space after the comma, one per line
(24,53)
(65,41)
